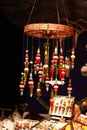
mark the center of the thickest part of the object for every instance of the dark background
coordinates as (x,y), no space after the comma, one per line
(11,49)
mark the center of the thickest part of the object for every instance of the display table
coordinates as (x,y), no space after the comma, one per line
(45,124)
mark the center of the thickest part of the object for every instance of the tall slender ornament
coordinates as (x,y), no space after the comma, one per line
(31,84)
(69,88)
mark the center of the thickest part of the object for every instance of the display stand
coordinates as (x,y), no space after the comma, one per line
(62,107)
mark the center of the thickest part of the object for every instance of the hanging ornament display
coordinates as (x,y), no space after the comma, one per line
(50,65)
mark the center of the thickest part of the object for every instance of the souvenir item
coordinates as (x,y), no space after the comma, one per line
(49,125)
(62,106)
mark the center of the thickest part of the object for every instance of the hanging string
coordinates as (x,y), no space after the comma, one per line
(39,38)
(27,42)
(23,55)
(27,36)
(31,62)
(32,48)
(31,12)
(58,18)
(65,11)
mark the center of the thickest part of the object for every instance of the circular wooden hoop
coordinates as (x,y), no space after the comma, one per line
(48,30)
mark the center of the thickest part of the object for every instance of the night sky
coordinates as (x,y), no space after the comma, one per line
(11,43)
